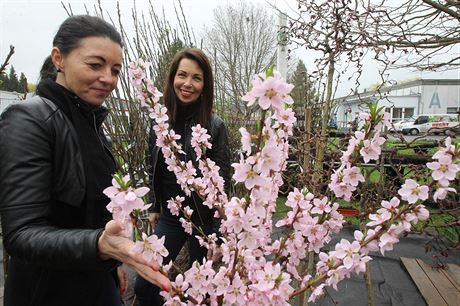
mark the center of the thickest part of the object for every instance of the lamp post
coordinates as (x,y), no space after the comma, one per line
(282,38)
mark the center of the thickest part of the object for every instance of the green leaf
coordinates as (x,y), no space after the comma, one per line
(269,71)
(451,234)
(137,234)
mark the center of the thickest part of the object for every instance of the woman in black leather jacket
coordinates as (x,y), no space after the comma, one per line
(189,95)
(54,164)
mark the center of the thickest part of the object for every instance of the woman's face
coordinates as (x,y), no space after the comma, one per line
(188,81)
(91,70)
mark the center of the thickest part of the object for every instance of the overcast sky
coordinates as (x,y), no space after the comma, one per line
(30,25)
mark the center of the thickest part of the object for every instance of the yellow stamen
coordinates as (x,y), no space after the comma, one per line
(270,93)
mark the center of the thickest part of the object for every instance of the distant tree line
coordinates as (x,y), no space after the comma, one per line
(10,81)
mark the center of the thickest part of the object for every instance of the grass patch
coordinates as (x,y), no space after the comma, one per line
(281,209)
(439,222)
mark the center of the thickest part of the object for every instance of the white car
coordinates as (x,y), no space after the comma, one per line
(400,125)
(432,123)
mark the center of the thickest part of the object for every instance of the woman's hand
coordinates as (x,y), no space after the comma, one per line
(112,244)
(122,279)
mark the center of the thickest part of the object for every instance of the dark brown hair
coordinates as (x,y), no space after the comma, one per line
(206,99)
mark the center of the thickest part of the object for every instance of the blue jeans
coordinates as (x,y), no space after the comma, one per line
(147,294)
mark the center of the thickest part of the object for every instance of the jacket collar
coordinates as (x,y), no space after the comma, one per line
(64,98)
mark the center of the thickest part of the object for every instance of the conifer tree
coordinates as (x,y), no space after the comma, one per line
(22,85)
(13,82)
(303,94)
(3,81)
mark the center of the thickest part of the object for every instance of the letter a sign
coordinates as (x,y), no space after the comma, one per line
(435,100)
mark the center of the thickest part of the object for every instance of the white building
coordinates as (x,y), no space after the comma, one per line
(425,96)
(7,98)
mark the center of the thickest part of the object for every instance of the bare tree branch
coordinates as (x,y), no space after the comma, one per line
(444,8)
(7,59)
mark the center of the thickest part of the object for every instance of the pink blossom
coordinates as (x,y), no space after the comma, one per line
(321,206)
(365,116)
(236,292)
(377,139)
(270,160)
(187,173)
(180,284)
(441,193)
(175,204)
(342,190)
(245,172)
(372,245)
(186,225)
(161,129)
(154,94)
(266,278)
(385,120)
(270,92)
(200,139)
(326,261)
(317,292)
(159,113)
(245,140)
(388,239)
(411,191)
(444,169)
(112,191)
(358,137)
(119,211)
(125,199)
(285,117)
(249,238)
(370,151)
(220,281)
(136,69)
(379,218)
(421,212)
(447,151)
(352,176)
(151,248)
(345,250)
(392,205)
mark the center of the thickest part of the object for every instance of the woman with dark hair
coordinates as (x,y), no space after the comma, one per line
(54,165)
(188,96)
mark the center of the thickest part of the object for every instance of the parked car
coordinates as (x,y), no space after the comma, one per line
(400,125)
(432,123)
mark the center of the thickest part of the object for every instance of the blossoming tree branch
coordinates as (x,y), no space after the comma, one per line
(257,269)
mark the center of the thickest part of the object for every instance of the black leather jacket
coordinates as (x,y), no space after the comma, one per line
(54,260)
(219,153)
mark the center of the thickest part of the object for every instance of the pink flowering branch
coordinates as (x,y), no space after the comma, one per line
(126,205)
(246,275)
(211,185)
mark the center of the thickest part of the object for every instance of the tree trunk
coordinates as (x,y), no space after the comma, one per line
(321,142)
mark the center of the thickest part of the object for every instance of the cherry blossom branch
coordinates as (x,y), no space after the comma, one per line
(246,275)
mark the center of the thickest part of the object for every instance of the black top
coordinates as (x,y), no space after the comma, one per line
(53,167)
(99,164)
